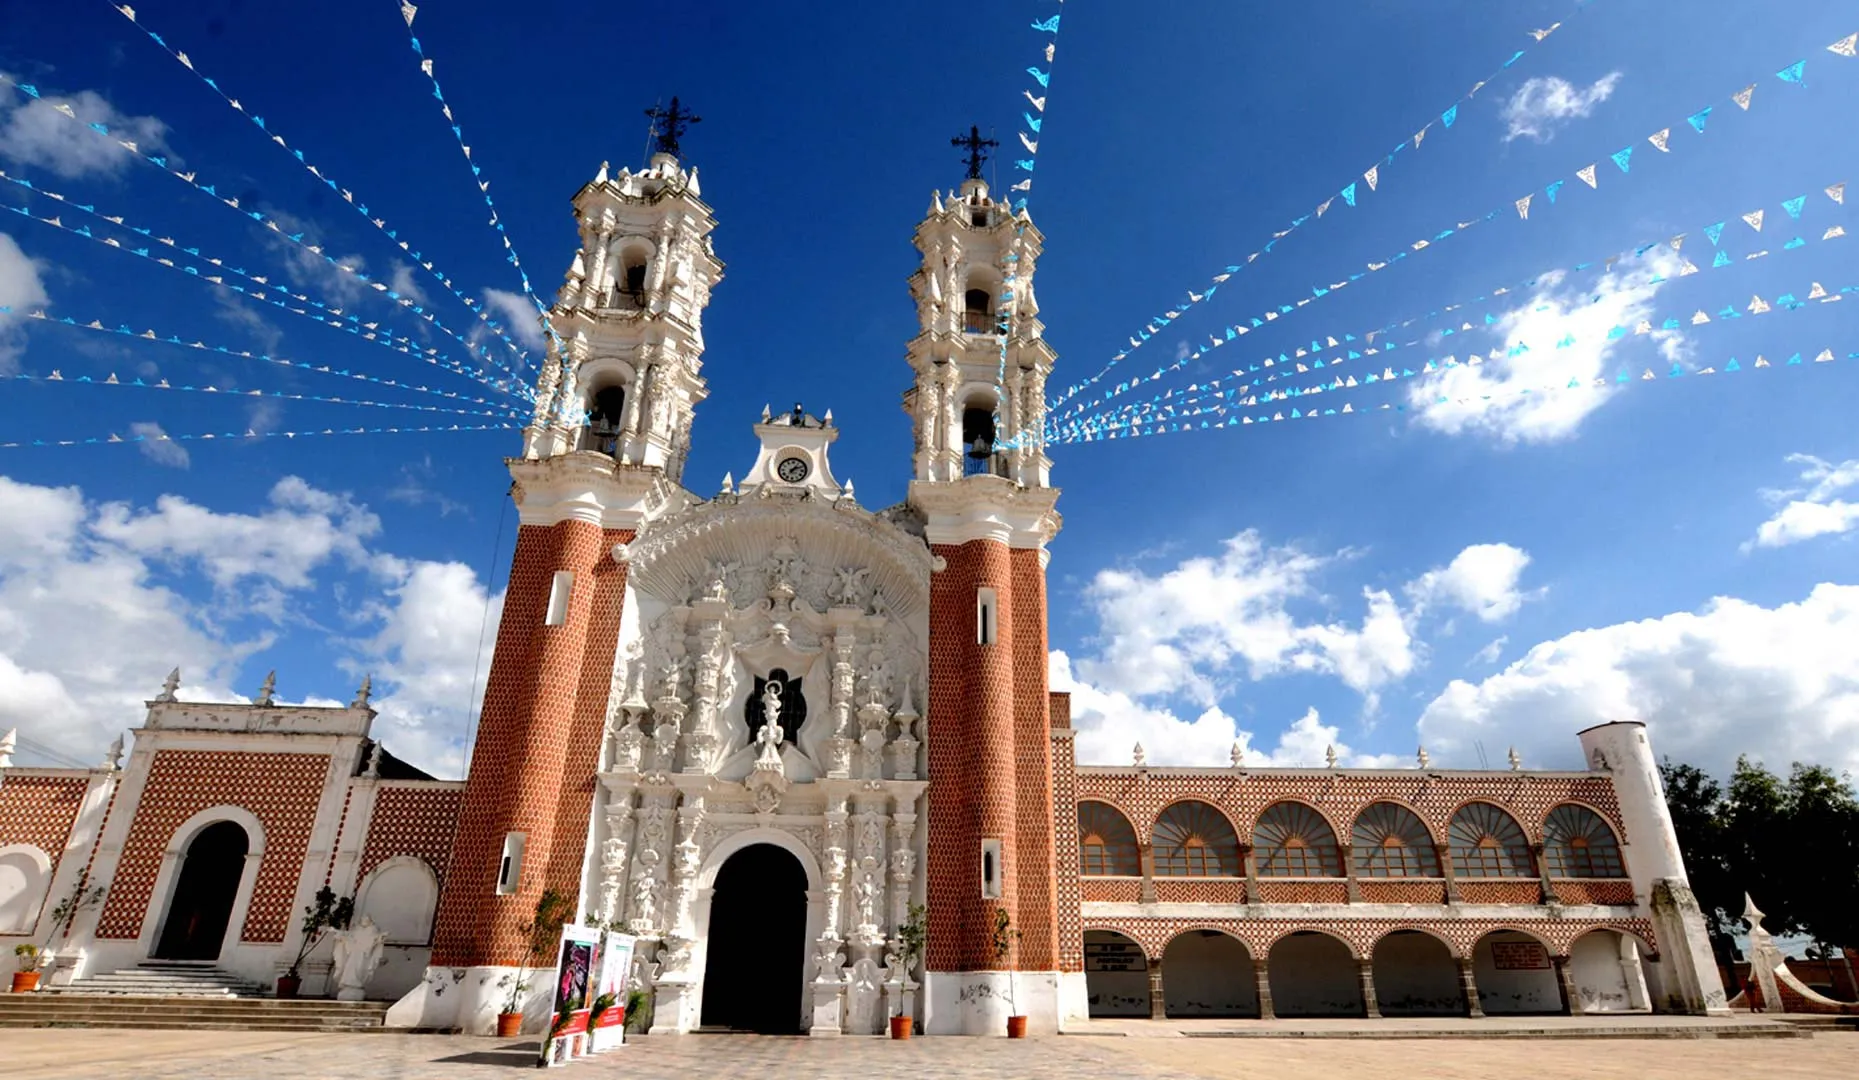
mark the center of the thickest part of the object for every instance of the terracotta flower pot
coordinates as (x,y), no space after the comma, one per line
(288,985)
(25,982)
(900,1027)
(1016,1027)
(509,1025)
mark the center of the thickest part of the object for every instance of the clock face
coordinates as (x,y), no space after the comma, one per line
(793,470)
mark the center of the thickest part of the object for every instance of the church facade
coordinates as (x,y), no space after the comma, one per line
(756,729)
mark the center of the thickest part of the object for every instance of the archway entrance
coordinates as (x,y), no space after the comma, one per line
(757,943)
(1207,973)
(204,892)
(1416,975)
(1116,975)
(1312,974)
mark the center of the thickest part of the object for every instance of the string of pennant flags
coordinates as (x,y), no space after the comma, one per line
(163,384)
(477,308)
(1007,303)
(249,435)
(1229,416)
(97,326)
(1589,175)
(1354,347)
(407,12)
(1368,181)
(264,289)
(1210,398)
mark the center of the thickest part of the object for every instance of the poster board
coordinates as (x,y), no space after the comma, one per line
(1519,956)
(616,969)
(566,1037)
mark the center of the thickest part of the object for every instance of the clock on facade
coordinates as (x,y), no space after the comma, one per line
(793,470)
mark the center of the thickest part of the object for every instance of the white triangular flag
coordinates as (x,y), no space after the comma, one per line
(1419,135)
(407,12)
(1031,146)
(426,67)
(1325,206)
(1835,231)
(1754,220)
(1687,269)
(1587,175)
(1373,176)
(1677,242)
(1644,327)
(1541,34)
(1760,362)
(1825,355)
(1758,306)
(1846,46)
(1700,319)
(1838,192)
(1648,375)
(1817,291)
(1741,97)
(1039,103)
(1523,206)
(1660,138)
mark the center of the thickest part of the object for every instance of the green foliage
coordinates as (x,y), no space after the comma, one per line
(541,932)
(1004,937)
(28,955)
(1793,844)
(912,937)
(329,912)
(638,1010)
(82,897)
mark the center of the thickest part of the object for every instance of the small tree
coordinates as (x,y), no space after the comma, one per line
(329,912)
(82,898)
(540,933)
(912,936)
(1005,936)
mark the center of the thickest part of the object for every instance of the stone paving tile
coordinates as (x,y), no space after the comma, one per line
(99,1054)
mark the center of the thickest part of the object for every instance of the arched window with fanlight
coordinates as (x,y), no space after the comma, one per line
(1192,839)
(1106,842)
(1487,842)
(1388,840)
(1578,844)
(1293,840)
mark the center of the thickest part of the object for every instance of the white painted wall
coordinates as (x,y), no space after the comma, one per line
(1115,993)
(1513,991)
(25,876)
(1206,973)
(1314,975)
(1415,975)
(1607,973)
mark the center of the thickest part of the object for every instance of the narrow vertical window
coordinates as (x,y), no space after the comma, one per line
(987,617)
(510,867)
(990,869)
(558,598)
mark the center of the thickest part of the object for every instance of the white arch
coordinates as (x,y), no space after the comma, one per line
(19,912)
(761,834)
(161,897)
(388,909)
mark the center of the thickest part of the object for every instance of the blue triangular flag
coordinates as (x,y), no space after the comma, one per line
(1697,119)
(1349,194)
(1621,157)
(1793,206)
(1793,73)
(1722,259)
(1714,232)
(1449,116)
(1552,189)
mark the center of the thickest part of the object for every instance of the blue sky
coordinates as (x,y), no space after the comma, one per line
(1480,575)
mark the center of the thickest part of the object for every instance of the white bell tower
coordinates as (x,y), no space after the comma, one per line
(623,373)
(978,409)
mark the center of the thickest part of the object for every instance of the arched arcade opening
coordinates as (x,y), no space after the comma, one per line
(1116,975)
(1416,975)
(1313,974)
(1206,973)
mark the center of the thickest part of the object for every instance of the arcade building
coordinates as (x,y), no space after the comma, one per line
(753,727)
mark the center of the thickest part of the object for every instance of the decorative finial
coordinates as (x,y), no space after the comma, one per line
(364,693)
(1423,757)
(1750,910)
(766,414)
(373,771)
(1516,760)
(977,148)
(113,757)
(669,126)
(827,420)
(268,689)
(729,484)
(1238,754)
(935,202)
(1329,756)
(8,743)
(846,491)
(168,688)
(1141,757)
(601,176)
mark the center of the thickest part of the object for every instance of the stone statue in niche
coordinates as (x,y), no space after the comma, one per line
(848,585)
(791,705)
(770,737)
(358,951)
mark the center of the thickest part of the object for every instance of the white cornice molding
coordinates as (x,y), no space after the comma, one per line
(587,486)
(986,508)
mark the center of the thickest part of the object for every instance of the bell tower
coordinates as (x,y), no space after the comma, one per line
(982,486)
(601,457)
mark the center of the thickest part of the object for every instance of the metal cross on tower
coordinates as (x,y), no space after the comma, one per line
(976,146)
(669,125)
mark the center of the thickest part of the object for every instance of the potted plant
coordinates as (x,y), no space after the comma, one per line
(638,1011)
(330,912)
(1004,937)
(26,979)
(540,933)
(912,934)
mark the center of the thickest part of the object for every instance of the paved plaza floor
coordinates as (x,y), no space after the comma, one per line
(202,1055)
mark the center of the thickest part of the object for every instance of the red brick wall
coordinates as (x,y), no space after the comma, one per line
(40,810)
(1033,828)
(1069,946)
(1593,891)
(418,821)
(971,756)
(281,790)
(530,729)
(1259,935)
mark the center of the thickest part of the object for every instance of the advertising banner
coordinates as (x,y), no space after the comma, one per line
(608,1014)
(566,1038)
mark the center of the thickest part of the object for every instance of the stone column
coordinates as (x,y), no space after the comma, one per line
(1248,857)
(1158,1001)
(613,852)
(1264,979)
(1353,887)
(1444,851)
(1565,981)
(1145,855)
(700,738)
(1468,985)
(1542,874)
(1365,973)
(686,862)
(597,270)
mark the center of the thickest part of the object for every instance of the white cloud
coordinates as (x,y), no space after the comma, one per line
(20,289)
(316,275)
(1566,381)
(406,283)
(1481,580)
(1490,653)
(37,133)
(518,317)
(98,602)
(1184,630)
(1545,103)
(1812,510)
(1781,684)
(157,447)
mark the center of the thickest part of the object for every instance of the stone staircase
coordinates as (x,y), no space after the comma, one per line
(76,1009)
(166,978)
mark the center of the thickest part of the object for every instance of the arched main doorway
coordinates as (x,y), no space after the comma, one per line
(204,893)
(757,943)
